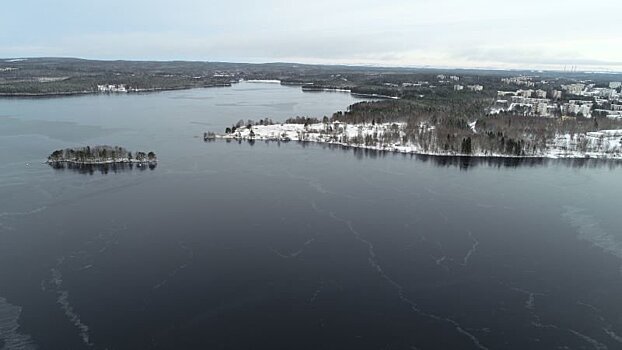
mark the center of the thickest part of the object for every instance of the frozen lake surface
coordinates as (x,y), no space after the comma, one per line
(236,246)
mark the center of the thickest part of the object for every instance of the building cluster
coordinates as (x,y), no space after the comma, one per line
(7,69)
(522,80)
(578,108)
(417,84)
(443,77)
(604,101)
(526,104)
(474,88)
(222,75)
(450,80)
(590,90)
(112,88)
(453,80)
(550,103)
(393,85)
(574,89)
(529,102)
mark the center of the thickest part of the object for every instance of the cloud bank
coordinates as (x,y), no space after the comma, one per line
(450,33)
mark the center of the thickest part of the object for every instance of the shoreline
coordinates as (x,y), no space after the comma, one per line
(313,133)
(87,92)
(312,88)
(305,87)
(429,154)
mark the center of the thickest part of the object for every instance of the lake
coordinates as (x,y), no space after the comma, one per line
(228,245)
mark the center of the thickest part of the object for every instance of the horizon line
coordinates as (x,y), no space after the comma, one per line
(352,65)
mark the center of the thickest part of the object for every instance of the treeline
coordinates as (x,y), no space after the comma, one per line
(465,128)
(248,124)
(303,120)
(95,154)
(32,76)
(82,84)
(388,111)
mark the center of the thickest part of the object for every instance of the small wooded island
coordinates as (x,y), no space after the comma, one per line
(100,155)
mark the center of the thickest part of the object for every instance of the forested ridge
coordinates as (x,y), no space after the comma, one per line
(464,127)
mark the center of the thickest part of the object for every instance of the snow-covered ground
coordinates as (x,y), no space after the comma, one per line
(597,144)
(601,144)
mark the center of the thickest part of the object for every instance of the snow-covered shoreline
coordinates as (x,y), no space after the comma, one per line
(263,81)
(604,144)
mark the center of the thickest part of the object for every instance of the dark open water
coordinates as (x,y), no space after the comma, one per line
(267,246)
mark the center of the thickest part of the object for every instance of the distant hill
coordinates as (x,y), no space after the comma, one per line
(60,76)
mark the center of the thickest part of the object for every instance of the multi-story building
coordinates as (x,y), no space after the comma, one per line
(475,87)
(578,107)
(586,110)
(112,88)
(541,93)
(541,108)
(575,89)
(526,81)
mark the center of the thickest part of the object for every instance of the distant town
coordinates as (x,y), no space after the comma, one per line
(581,99)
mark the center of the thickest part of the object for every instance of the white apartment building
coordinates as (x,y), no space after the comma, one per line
(541,93)
(475,87)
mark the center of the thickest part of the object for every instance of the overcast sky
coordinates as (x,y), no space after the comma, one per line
(442,33)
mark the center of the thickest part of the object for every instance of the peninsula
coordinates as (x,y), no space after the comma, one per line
(406,127)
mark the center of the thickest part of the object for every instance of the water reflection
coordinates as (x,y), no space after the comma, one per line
(460,162)
(465,163)
(90,169)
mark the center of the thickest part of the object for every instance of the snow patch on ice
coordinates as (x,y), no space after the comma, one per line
(9,328)
(613,335)
(589,230)
(63,300)
(190,257)
(7,227)
(530,303)
(596,344)
(474,246)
